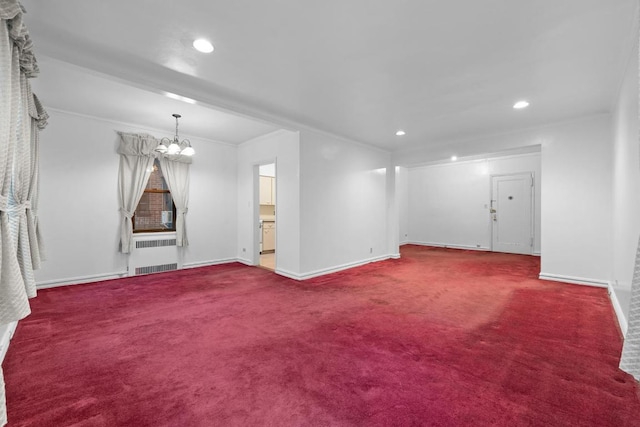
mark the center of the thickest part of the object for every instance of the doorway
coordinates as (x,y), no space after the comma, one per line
(267,198)
(512,213)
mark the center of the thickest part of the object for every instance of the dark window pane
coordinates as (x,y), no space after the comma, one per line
(155,212)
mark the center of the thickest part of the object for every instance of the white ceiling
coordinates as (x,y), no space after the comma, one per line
(70,88)
(361,69)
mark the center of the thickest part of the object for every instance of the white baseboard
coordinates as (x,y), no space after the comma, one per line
(450,246)
(108,276)
(622,321)
(245,261)
(329,270)
(5,338)
(574,280)
(208,263)
(287,273)
(80,280)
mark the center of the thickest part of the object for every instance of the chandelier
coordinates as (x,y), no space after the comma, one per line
(168,146)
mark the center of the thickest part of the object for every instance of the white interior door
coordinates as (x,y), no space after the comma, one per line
(512,213)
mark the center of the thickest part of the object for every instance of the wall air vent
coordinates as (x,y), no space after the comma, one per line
(155,243)
(156,268)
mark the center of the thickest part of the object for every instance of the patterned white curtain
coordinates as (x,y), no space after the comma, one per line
(21,118)
(38,122)
(137,154)
(176,173)
(135,168)
(630,359)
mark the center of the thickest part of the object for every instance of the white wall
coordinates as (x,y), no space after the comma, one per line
(626,184)
(348,190)
(347,205)
(283,148)
(402,197)
(576,201)
(213,200)
(78,208)
(448,204)
(79,200)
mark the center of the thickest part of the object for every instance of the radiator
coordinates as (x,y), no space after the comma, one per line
(153,254)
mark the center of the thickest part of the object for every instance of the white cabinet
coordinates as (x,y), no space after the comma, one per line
(267,190)
(268,236)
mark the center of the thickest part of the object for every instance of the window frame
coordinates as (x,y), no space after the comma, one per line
(156,191)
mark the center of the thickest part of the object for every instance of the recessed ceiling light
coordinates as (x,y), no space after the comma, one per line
(203,46)
(400,133)
(454,158)
(520,105)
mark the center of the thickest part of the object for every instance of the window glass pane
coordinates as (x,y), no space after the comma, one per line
(156,180)
(155,212)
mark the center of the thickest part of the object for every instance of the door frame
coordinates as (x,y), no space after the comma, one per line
(255,223)
(532,219)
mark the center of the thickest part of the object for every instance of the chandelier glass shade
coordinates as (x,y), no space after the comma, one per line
(168,146)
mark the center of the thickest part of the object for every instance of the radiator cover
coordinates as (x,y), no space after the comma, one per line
(153,254)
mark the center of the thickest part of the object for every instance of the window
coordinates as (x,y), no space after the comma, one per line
(156,211)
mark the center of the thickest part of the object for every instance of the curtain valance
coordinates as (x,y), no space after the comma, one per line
(142,144)
(9,9)
(13,12)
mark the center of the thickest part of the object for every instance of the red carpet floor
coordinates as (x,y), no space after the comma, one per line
(440,337)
